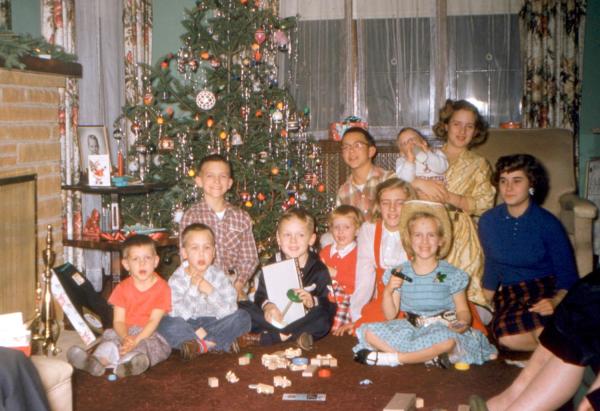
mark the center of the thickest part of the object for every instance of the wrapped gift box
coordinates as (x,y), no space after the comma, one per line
(337,129)
(14,334)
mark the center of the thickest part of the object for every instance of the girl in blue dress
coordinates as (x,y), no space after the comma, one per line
(431,292)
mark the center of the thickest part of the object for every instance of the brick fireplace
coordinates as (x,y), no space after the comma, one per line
(30,178)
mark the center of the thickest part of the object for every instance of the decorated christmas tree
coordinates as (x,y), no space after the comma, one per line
(219,93)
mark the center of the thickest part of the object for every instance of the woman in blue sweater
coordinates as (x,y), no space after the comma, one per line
(529,263)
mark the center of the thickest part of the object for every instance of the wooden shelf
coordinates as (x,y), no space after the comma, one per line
(130,189)
(114,245)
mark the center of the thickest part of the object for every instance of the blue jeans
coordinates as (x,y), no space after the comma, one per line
(221,331)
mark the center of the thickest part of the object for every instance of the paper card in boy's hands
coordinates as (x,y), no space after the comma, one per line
(279,278)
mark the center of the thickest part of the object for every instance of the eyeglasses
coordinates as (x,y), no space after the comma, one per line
(357,145)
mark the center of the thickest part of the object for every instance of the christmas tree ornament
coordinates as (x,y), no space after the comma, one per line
(246,61)
(260,36)
(206,100)
(277,116)
(245,196)
(215,63)
(279,105)
(275,171)
(157,160)
(255,46)
(248,204)
(205,55)
(258,113)
(321,188)
(236,138)
(283,133)
(166,143)
(160,120)
(164,65)
(170,112)
(193,65)
(135,127)
(262,156)
(191,172)
(148,99)
(257,56)
(261,196)
(223,135)
(210,122)
(133,166)
(244,2)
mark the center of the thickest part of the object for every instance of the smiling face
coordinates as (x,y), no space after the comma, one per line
(390,205)
(513,187)
(461,129)
(199,250)
(141,261)
(343,229)
(215,179)
(425,238)
(294,239)
(356,151)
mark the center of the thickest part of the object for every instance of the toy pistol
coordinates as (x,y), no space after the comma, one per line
(397,272)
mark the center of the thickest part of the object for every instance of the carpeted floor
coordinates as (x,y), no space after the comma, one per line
(177,385)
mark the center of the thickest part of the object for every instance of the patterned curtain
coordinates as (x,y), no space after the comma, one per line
(137,30)
(552,33)
(58,27)
(5,17)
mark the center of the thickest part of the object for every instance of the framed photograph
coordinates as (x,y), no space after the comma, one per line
(592,193)
(93,140)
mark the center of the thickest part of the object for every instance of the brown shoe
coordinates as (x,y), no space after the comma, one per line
(191,349)
(248,340)
(305,341)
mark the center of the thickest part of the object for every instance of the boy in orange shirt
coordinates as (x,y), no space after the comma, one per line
(340,259)
(140,301)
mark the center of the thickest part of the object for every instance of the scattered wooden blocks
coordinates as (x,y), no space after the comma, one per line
(324,361)
(213,382)
(420,403)
(262,388)
(283,382)
(293,352)
(401,402)
(231,377)
(275,360)
(298,367)
(244,360)
(309,371)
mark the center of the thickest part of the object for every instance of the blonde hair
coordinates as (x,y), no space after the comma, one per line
(405,231)
(392,184)
(196,228)
(302,215)
(138,240)
(346,210)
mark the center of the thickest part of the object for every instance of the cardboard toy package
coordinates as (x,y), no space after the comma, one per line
(337,129)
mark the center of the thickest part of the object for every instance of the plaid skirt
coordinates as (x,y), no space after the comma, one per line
(512,304)
(342,314)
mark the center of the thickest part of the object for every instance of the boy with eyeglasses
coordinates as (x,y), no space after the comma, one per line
(358,151)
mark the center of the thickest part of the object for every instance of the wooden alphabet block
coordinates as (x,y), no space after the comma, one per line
(401,402)
(244,360)
(213,382)
(309,371)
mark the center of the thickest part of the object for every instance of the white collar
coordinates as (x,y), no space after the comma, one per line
(342,252)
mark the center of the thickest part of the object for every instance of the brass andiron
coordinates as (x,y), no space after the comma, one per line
(44,328)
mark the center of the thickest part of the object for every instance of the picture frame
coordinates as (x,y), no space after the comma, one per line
(92,140)
(592,193)
(99,170)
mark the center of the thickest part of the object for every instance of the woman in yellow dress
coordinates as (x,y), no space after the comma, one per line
(468,191)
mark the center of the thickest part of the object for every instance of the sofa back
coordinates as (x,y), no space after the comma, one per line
(553,147)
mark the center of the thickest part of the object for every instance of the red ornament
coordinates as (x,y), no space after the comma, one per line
(261,197)
(245,196)
(292,200)
(204,55)
(283,133)
(164,65)
(321,188)
(148,99)
(258,113)
(257,55)
(260,36)
(210,122)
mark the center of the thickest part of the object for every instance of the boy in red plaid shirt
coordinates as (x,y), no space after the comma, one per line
(340,259)
(232,226)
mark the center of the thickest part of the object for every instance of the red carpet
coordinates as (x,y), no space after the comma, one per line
(177,385)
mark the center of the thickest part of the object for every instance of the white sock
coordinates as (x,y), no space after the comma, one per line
(389,359)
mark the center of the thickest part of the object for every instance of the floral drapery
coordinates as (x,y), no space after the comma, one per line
(137,33)
(58,27)
(552,33)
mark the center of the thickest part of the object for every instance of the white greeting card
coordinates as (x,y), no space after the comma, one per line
(279,278)
(99,170)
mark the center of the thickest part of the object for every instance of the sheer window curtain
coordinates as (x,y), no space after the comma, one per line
(399,60)
(100,51)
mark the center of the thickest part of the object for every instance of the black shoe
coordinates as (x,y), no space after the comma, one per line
(361,357)
(441,361)
(476,403)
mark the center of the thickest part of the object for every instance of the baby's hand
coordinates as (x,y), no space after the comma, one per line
(306,297)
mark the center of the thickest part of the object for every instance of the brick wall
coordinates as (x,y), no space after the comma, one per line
(30,143)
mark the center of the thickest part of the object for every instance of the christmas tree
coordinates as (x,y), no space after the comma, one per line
(220,94)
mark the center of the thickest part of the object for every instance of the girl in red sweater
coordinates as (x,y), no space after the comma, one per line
(340,258)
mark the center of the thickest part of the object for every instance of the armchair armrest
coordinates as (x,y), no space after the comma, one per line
(581,207)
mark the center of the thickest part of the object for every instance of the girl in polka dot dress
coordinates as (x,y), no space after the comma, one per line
(431,293)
